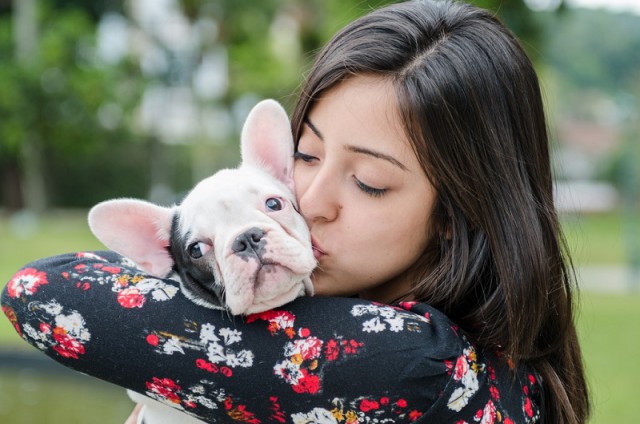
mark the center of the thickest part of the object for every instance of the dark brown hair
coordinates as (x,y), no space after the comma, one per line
(471,104)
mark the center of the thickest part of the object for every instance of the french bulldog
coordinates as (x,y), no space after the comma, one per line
(236,242)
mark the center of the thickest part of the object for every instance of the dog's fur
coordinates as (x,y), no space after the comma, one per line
(236,241)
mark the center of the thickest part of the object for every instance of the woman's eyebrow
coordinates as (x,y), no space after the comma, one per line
(313,128)
(357,149)
(377,155)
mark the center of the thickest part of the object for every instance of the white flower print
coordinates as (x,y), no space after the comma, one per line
(360,310)
(64,333)
(208,333)
(467,375)
(288,371)
(219,352)
(387,318)
(230,336)
(172,345)
(74,324)
(159,290)
(316,416)
(395,324)
(374,325)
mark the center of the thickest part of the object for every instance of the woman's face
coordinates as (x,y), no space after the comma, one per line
(362,192)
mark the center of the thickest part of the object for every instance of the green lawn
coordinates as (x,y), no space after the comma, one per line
(597,239)
(608,330)
(607,323)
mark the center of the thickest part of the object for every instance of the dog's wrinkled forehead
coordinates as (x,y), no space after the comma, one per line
(229,198)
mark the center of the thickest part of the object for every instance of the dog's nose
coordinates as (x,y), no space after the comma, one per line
(250,243)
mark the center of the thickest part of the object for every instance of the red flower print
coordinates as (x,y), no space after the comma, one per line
(332,350)
(309,348)
(369,405)
(492,372)
(304,332)
(308,383)
(415,415)
(112,269)
(277,414)
(462,367)
(67,347)
(26,282)
(495,394)
(401,403)
(153,340)
(407,305)
(508,421)
(351,346)
(528,407)
(131,298)
(167,388)
(226,371)
(203,364)
(11,314)
(384,401)
(240,413)
(532,379)
(278,321)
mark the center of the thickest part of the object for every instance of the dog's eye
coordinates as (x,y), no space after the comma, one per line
(198,249)
(274,204)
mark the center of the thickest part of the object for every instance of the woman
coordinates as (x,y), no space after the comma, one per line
(422,169)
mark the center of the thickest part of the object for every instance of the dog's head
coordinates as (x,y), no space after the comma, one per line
(236,240)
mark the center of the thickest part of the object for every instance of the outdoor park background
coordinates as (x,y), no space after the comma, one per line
(142,98)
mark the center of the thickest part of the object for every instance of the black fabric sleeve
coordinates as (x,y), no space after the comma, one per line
(314,360)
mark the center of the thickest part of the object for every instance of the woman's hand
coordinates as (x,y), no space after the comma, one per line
(133,418)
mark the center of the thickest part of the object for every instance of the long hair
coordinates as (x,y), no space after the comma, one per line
(470,101)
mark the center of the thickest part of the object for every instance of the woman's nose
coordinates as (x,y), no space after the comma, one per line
(319,198)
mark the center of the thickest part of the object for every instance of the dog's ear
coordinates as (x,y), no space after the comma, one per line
(267,141)
(136,229)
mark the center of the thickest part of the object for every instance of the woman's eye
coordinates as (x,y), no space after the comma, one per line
(198,249)
(303,157)
(274,204)
(371,191)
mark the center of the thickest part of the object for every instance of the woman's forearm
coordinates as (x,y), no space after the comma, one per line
(98,314)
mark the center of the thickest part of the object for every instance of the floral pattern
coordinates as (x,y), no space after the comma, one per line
(320,360)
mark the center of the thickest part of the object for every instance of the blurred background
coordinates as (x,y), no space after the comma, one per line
(142,98)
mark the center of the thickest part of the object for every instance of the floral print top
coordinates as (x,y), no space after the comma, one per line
(315,360)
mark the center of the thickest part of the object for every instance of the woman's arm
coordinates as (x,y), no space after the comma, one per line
(313,358)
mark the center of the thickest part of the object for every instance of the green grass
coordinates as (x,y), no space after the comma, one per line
(597,239)
(607,324)
(28,396)
(608,331)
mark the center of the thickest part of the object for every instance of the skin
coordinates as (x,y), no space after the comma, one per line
(362,192)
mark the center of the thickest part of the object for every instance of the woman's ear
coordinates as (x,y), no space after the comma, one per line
(267,142)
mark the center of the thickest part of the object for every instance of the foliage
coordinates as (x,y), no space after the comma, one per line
(82,113)
(62,99)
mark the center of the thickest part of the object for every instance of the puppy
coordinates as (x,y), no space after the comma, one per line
(236,242)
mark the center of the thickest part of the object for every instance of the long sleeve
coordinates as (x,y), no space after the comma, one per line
(314,360)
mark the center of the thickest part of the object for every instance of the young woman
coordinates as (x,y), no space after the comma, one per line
(422,169)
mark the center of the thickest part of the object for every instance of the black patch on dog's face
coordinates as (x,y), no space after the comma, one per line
(196,275)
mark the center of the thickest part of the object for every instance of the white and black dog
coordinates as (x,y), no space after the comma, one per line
(236,242)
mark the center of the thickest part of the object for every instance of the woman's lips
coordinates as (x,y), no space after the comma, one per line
(317,250)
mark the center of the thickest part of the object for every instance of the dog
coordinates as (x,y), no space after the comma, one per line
(237,241)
